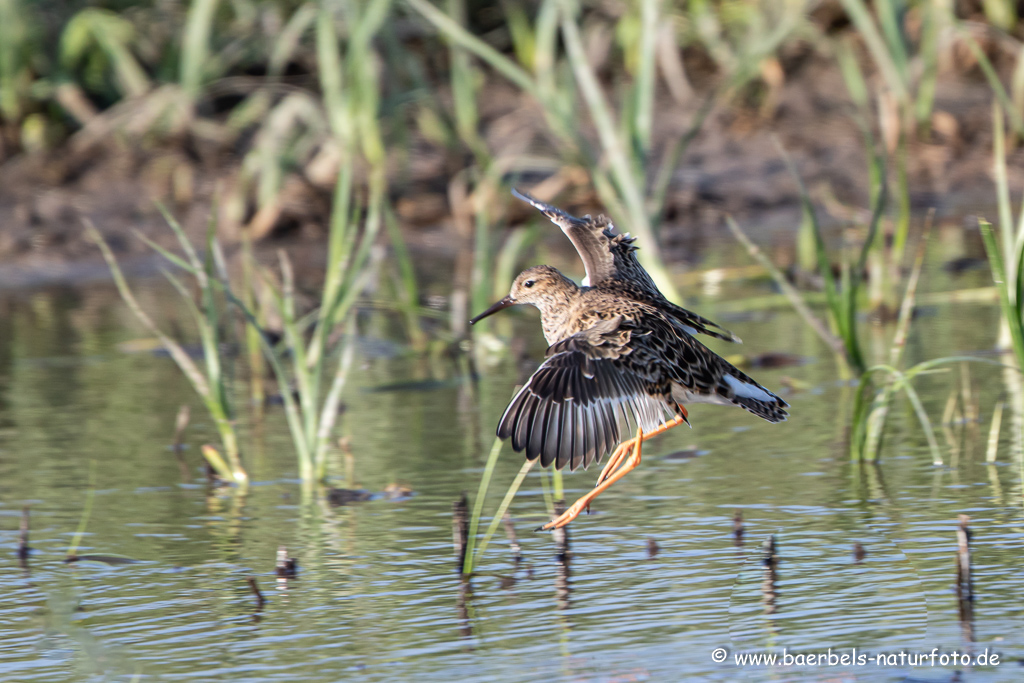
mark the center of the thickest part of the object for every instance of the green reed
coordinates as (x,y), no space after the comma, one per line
(18,42)
(879,384)
(1006,252)
(908,68)
(476,551)
(350,93)
(195,46)
(213,385)
(619,187)
(83,522)
(304,362)
(98,34)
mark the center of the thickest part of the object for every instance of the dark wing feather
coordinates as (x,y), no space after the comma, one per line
(571,410)
(699,323)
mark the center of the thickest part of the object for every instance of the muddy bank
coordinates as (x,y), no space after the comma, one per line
(731,166)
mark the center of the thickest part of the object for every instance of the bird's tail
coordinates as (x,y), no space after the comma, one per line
(743,391)
(715,380)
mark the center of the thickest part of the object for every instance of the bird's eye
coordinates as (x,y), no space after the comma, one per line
(528,283)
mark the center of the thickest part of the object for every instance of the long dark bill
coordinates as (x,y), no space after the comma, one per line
(503,304)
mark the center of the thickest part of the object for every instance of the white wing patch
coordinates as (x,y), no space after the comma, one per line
(744,390)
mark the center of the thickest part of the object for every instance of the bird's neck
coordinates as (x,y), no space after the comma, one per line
(557,313)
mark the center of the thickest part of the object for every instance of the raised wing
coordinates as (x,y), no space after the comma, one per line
(589,239)
(573,408)
(609,256)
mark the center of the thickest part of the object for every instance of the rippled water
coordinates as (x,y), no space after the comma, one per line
(377,597)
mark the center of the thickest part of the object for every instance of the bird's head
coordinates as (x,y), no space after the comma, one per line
(540,286)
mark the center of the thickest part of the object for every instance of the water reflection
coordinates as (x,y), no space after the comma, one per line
(462,607)
(563,582)
(563,559)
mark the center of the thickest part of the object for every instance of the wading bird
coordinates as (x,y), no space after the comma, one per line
(620,354)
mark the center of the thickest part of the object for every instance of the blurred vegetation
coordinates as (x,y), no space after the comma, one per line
(353,102)
(252,80)
(455,100)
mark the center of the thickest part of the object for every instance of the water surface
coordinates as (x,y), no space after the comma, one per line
(377,597)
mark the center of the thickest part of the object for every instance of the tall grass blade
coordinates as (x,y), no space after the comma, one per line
(83,523)
(881,52)
(841,301)
(257,369)
(899,340)
(478,505)
(455,32)
(644,88)
(177,353)
(993,433)
(332,403)
(195,46)
(288,40)
(993,80)
(408,289)
(1002,188)
(929,54)
(1010,310)
(621,168)
(926,423)
(792,294)
(862,404)
(503,508)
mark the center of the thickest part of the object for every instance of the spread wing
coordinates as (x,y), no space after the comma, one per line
(607,255)
(588,239)
(573,408)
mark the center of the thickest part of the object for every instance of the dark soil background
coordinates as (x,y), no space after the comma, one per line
(112,176)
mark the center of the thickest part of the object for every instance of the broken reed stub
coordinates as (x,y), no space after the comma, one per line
(737,527)
(769,557)
(460,530)
(254,587)
(964,583)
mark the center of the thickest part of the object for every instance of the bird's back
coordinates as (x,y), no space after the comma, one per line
(649,340)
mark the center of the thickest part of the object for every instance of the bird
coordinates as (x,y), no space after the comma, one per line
(619,355)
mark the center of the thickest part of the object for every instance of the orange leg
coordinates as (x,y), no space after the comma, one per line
(573,512)
(613,462)
(623,448)
(622,451)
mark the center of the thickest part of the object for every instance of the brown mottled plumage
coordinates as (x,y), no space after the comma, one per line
(612,361)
